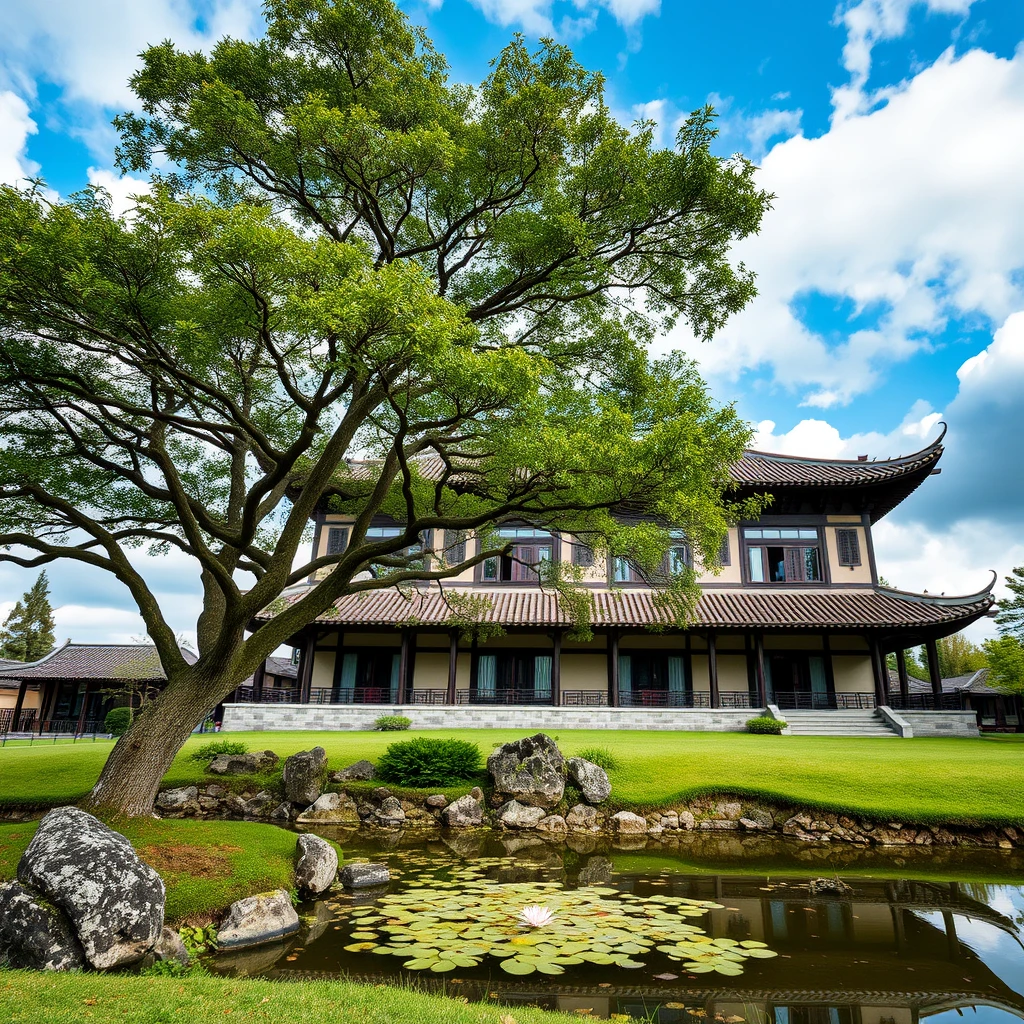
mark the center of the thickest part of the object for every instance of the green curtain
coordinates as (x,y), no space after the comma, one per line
(676,675)
(625,674)
(396,665)
(542,677)
(486,674)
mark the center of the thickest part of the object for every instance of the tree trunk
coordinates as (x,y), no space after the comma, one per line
(130,780)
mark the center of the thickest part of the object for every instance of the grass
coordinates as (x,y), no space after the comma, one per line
(28,998)
(953,781)
(206,865)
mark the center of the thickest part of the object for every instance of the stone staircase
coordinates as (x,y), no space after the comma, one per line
(867,722)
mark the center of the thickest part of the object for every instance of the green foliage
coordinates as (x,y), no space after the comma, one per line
(958,656)
(1010,617)
(765,725)
(208,751)
(429,762)
(27,632)
(198,939)
(1006,664)
(601,756)
(392,723)
(117,721)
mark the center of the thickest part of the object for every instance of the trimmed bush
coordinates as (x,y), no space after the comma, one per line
(208,751)
(601,756)
(117,721)
(429,762)
(765,725)
(392,723)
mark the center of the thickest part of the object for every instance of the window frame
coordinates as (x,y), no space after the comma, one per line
(851,536)
(762,537)
(523,536)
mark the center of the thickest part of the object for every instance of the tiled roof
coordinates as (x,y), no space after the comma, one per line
(866,608)
(95,661)
(282,667)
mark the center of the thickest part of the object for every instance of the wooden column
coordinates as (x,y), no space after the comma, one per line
(305,675)
(716,700)
(403,668)
(556,669)
(901,668)
(762,683)
(18,705)
(80,728)
(878,671)
(453,664)
(830,669)
(933,667)
(258,678)
(613,669)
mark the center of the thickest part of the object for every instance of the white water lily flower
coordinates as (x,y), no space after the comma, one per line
(536,917)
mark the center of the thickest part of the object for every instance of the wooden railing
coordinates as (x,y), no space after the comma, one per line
(585,698)
(26,720)
(504,696)
(664,699)
(926,701)
(800,700)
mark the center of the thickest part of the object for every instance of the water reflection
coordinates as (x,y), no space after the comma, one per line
(855,948)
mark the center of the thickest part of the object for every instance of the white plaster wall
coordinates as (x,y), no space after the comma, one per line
(853,674)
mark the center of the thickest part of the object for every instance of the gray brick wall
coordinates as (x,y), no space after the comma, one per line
(942,723)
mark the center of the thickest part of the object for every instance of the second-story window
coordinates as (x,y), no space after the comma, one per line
(337,539)
(375,533)
(783,555)
(530,549)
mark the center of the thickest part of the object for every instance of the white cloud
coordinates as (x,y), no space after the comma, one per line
(910,215)
(121,189)
(15,127)
(867,23)
(537,17)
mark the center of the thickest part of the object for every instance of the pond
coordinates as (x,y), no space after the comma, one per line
(736,931)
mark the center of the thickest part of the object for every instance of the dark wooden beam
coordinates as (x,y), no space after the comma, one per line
(878,670)
(901,668)
(762,683)
(830,669)
(613,669)
(258,678)
(305,675)
(18,705)
(716,700)
(403,668)
(453,664)
(80,728)
(556,669)
(933,667)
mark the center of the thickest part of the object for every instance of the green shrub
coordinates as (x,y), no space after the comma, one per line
(601,756)
(117,721)
(429,762)
(392,723)
(208,751)
(765,725)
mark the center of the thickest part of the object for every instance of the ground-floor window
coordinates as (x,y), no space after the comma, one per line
(654,678)
(367,676)
(797,679)
(513,677)
(72,695)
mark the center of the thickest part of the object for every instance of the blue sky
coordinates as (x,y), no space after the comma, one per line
(891,269)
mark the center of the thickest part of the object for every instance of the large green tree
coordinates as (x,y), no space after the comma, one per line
(1010,614)
(368,289)
(27,633)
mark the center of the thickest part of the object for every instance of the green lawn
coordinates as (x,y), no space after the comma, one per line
(925,780)
(206,865)
(27,998)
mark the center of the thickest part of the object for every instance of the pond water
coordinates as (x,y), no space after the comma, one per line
(738,931)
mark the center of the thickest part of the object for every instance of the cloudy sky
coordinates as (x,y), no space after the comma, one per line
(891,269)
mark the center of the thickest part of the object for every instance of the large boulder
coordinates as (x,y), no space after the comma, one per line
(591,779)
(363,876)
(114,902)
(330,809)
(317,865)
(531,771)
(390,814)
(305,775)
(34,935)
(243,764)
(260,805)
(582,818)
(516,815)
(252,921)
(361,771)
(463,813)
(626,823)
(170,947)
(184,800)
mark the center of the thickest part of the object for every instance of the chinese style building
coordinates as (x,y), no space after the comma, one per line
(794,619)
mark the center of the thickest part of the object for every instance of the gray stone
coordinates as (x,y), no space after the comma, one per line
(437,801)
(282,812)
(670,819)
(184,799)
(234,803)
(729,810)
(581,818)
(209,803)
(530,770)
(516,815)
(317,865)
(361,771)
(553,823)
(626,823)
(216,791)
(390,814)
(331,809)
(797,824)
(260,805)
(596,871)
(591,779)
(757,818)
(363,876)
(687,820)
(170,947)
(477,794)
(114,902)
(828,887)
(34,935)
(255,920)
(305,774)
(243,764)
(463,813)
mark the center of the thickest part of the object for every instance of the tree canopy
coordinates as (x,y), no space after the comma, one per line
(366,289)
(27,632)
(1010,615)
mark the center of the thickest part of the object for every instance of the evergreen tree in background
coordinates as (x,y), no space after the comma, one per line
(27,633)
(1010,619)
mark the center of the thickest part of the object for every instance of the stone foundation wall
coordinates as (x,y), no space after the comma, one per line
(942,723)
(338,717)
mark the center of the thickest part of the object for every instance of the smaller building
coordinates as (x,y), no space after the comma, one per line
(74,686)
(996,711)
